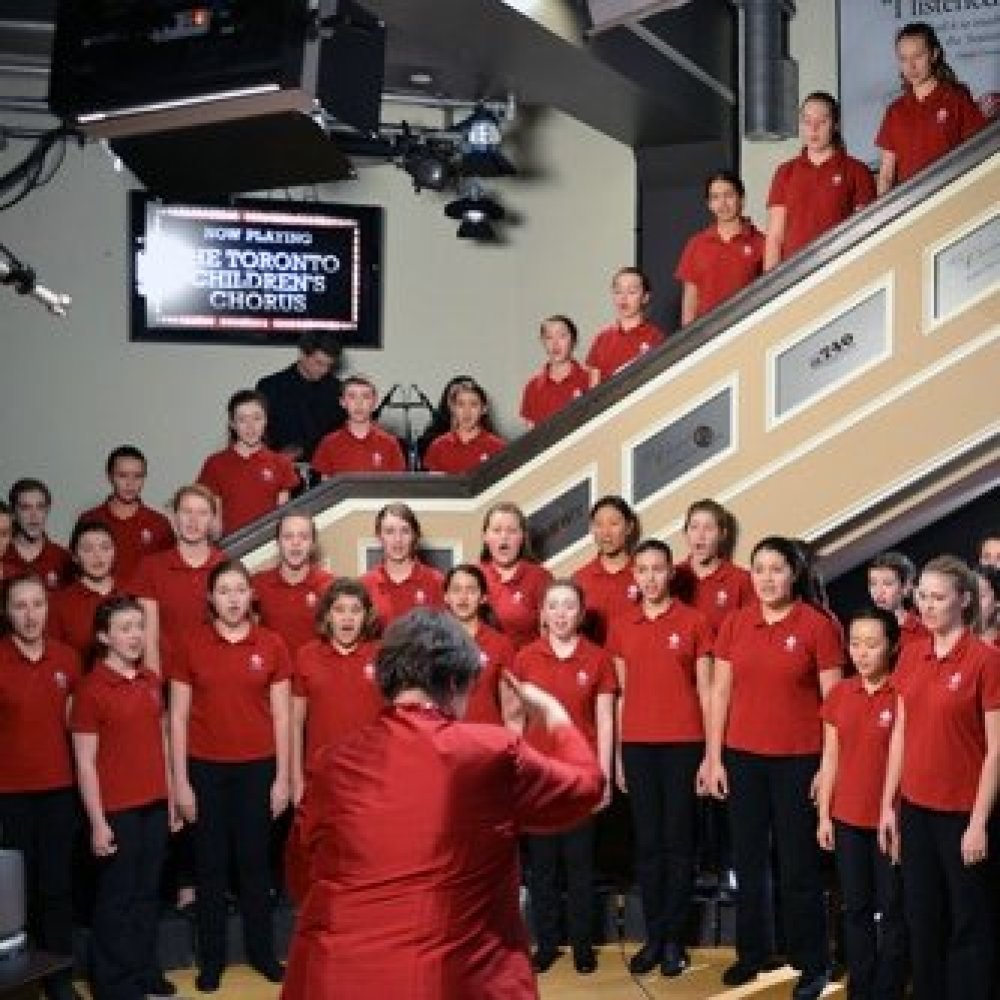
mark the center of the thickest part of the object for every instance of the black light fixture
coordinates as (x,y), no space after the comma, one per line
(481,156)
(477,213)
(429,167)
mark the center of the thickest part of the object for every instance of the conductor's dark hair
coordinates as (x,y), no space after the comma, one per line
(429,651)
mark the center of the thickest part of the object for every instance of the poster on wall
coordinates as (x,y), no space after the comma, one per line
(969,30)
(254,271)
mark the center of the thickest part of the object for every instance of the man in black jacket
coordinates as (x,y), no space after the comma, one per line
(304,398)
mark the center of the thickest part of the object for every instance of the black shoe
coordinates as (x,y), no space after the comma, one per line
(810,985)
(675,960)
(645,959)
(740,973)
(158,986)
(207,981)
(584,960)
(544,958)
(273,971)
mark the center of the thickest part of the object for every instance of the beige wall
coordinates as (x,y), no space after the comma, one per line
(814,44)
(70,390)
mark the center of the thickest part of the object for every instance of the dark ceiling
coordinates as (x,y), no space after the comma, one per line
(663,76)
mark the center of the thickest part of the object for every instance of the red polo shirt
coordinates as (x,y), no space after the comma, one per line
(71,615)
(660,702)
(496,654)
(817,198)
(726,589)
(614,348)
(921,131)
(423,588)
(180,591)
(575,682)
(36,755)
(248,486)
(145,532)
(53,565)
(911,629)
(231,692)
(342,451)
(126,714)
(449,453)
(718,267)
(945,699)
(864,726)
(606,596)
(517,602)
(341,693)
(290,608)
(775,701)
(543,396)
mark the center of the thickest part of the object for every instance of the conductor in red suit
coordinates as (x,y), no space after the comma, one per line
(404,857)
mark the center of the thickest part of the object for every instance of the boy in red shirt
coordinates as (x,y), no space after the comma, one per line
(138,530)
(891,576)
(632,335)
(360,445)
(32,552)
(248,478)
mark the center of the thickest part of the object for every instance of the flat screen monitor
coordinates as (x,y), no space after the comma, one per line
(254,271)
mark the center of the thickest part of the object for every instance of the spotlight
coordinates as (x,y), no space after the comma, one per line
(477,213)
(430,168)
(481,156)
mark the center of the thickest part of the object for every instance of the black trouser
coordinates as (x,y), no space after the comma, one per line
(576,849)
(947,905)
(126,905)
(42,826)
(871,884)
(234,810)
(769,797)
(660,778)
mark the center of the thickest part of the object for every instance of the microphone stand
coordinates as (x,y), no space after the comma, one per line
(407,405)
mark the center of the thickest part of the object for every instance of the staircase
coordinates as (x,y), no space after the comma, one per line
(851,383)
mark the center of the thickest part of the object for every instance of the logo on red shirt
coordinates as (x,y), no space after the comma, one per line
(377,458)
(633,592)
(52,578)
(643,347)
(517,597)
(721,598)
(582,678)
(267,474)
(483,456)
(747,250)
(577,393)
(836,180)
(674,641)
(483,658)
(790,643)
(942,115)
(885,718)
(369,671)
(420,597)
(955,681)
(256,661)
(311,599)
(62,681)
(146,536)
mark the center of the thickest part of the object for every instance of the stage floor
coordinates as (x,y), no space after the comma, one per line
(610,982)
